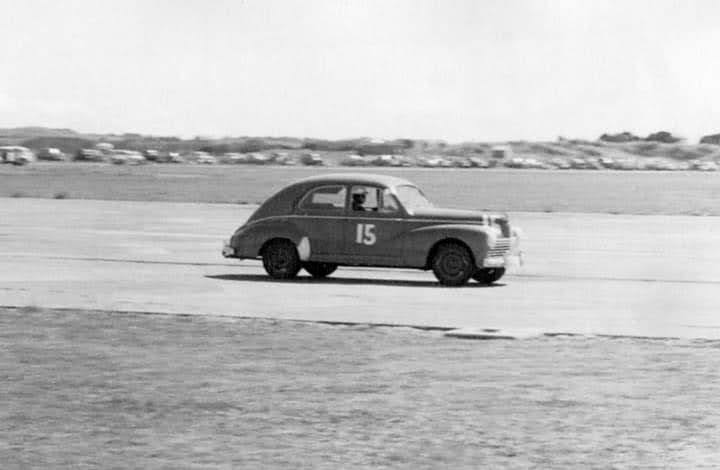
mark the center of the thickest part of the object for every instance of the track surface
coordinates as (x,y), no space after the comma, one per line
(654,276)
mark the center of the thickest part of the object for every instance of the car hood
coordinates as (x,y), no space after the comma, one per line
(455,215)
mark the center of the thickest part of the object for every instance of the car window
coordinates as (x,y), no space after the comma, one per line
(389,203)
(364,198)
(324,197)
(412,198)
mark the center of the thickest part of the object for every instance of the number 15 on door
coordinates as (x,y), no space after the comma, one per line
(365,234)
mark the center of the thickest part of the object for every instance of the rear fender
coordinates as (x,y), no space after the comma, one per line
(248,240)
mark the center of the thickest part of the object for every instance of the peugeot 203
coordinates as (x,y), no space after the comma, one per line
(322,222)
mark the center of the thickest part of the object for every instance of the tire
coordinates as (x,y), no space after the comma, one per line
(319,270)
(452,264)
(280,259)
(488,275)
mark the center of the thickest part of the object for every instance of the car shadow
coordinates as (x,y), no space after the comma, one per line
(342,281)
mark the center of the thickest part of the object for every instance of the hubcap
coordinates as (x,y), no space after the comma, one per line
(453,264)
(279,260)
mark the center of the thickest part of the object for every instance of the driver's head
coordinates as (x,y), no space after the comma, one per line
(359,195)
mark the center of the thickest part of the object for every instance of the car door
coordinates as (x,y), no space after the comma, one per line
(321,214)
(373,228)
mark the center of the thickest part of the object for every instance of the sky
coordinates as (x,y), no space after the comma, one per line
(458,70)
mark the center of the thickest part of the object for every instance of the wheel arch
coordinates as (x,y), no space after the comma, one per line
(250,240)
(421,243)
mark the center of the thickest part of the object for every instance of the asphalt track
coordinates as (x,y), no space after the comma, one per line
(585,274)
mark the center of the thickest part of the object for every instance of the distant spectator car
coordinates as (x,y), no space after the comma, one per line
(434,162)
(284,159)
(699,165)
(151,155)
(90,155)
(312,159)
(202,158)
(129,157)
(16,155)
(479,162)
(322,222)
(175,157)
(579,163)
(607,162)
(233,158)
(355,160)
(560,163)
(256,158)
(627,164)
(658,164)
(386,160)
(52,154)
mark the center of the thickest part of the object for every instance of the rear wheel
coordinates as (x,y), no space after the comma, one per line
(452,264)
(319,270)
(488,275)
(281,260)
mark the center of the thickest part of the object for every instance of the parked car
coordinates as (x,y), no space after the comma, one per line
(322,222)
(560,163)
(386,160)
(257,158)
(479,162)
(151,155)
(90,155)
(126,157)
(202,158)
(355,160)
(284,159)
(312,159)
(434,162)
(700,165)
(233,158)
(658,164)
(16,155)
(52,154)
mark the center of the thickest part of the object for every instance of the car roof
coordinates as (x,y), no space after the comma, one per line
(354,178)
(283,202)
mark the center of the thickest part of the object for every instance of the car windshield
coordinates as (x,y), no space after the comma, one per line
(412,198)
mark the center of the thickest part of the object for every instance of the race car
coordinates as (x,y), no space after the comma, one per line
(322,222)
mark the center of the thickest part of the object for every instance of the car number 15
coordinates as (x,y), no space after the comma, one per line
(365,234)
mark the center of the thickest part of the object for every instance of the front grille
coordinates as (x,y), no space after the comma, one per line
(502,246)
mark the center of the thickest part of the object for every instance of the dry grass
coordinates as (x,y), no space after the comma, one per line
(113,390)
(502,190)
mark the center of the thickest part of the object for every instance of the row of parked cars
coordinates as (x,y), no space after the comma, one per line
(121,156)
(20,155)
(629,164)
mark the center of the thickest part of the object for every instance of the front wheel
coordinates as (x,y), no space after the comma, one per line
(280,259)
(319,270)
(452,264)
(488,275)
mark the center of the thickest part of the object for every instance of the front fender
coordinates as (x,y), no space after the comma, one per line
(418,242)
(249,239)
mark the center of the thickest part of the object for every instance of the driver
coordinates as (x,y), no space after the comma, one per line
(358,199)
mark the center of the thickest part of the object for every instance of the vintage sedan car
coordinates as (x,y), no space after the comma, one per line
(322,222)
